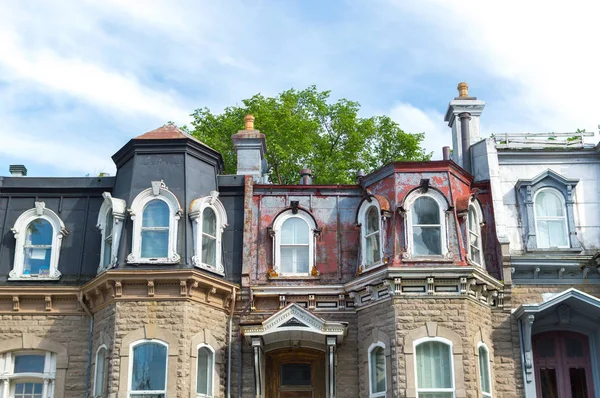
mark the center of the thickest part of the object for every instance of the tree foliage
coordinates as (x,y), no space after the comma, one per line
(305,129)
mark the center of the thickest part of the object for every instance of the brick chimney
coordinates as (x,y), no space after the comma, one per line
(250,146)
(463,118)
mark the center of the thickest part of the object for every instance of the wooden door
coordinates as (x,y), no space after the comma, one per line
(562,365)
(295,373)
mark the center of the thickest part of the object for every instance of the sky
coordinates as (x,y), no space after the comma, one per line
(78,79)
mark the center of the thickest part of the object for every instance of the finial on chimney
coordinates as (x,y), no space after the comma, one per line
(463,90)
(249,122)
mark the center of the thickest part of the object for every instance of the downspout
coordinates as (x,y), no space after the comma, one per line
(466,140)
(88,370)
(229,344)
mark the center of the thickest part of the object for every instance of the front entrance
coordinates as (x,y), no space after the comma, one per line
(295,373)
(562,365)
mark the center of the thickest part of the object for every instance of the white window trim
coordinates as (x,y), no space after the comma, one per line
(479,217)
(8,377)
(212,371)
(563,218)
(20,231)
(489,372)
(442,206)
(427,340)
(130,375)
(384,392)
(277,225)
(118,208)
(159,191)
(103,381)
(362,217)
(196,212)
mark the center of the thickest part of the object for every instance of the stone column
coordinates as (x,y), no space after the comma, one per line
(331,344)
(257,349)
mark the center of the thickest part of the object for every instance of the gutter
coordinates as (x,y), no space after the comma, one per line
(88,370)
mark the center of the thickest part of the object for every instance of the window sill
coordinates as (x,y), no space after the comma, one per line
(33,278)
(209,269)
(556,250)
(294,277)
(428,259)
(131,259)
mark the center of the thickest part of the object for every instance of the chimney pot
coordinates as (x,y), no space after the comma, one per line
(305,177)
(463,90)
(249,122)
(17,170)
(446,153)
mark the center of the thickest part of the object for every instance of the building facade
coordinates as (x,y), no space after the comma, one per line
(470,277)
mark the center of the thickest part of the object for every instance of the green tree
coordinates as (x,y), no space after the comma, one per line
(303,128)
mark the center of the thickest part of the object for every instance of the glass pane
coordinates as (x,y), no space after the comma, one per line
(545,347)
(578,383)
(473,221)
(155,244)
(204,376)
(551,233)
(39,232)
(294,259)
(209,250)
(156,214)
(107,252)
(475,254)
(426,211)
(29,363)
(108,226)
(548,204)
(484,370)
(548,383)
(372,220)
(295,374)
(209,222)
(434,365)
(100,366)
(574,347)
(28,390)
(377,370)
(373,252)
(37,261)
(149,367)
(427,241)
(294,232)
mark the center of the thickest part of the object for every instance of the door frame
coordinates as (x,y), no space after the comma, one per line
(275,358)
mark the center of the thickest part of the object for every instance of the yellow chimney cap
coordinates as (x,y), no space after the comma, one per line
(249,122)
(463,89)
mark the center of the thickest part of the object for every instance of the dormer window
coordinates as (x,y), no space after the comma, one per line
(475,248)
(155,213)
(550,219)
(426,224)
(209,221)
(294,243)
(369,219)
(39,232)
(110,223)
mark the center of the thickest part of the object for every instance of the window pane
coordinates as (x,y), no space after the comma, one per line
(574,347)
(209,250)
(29,363)
(156,214)
(426,211)
(100,366)
(377,370)
(108,224)
(372,220)
(294,259)
(427,241)
(28,390)
(295,374)
(548,382)
(39,232)
(37,261)
(205,372)
(155,244)
(548,204)
(209,222)
(149,367)
(484,370)
(433,365)
(294,232)
(551,233)
(578,383)
(107,252)
(473,221)
(545,347)
(372,249)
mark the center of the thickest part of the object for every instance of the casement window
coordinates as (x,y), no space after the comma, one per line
(550,219)
(148,369)
(28,374)
(426,224)
(475,248)
(485,378)
(294,243)
(155,213)
(209,220)
(39,233)
(369,218)
(110,223)
(100,372)
(377,371)
(205,371)
(434,368)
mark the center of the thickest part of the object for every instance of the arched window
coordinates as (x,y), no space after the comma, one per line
(28,374)
(485,379)
(110,217)
(100,372)
(550,219)
(209,221)
(474,235)
(205,372)
(294,243)
(369,219)
(434,368)
(377,371)
(39,234)
(426,227)
(148,370)
(155,213)
(108,240)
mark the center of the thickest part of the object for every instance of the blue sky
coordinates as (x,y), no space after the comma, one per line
(78,79)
